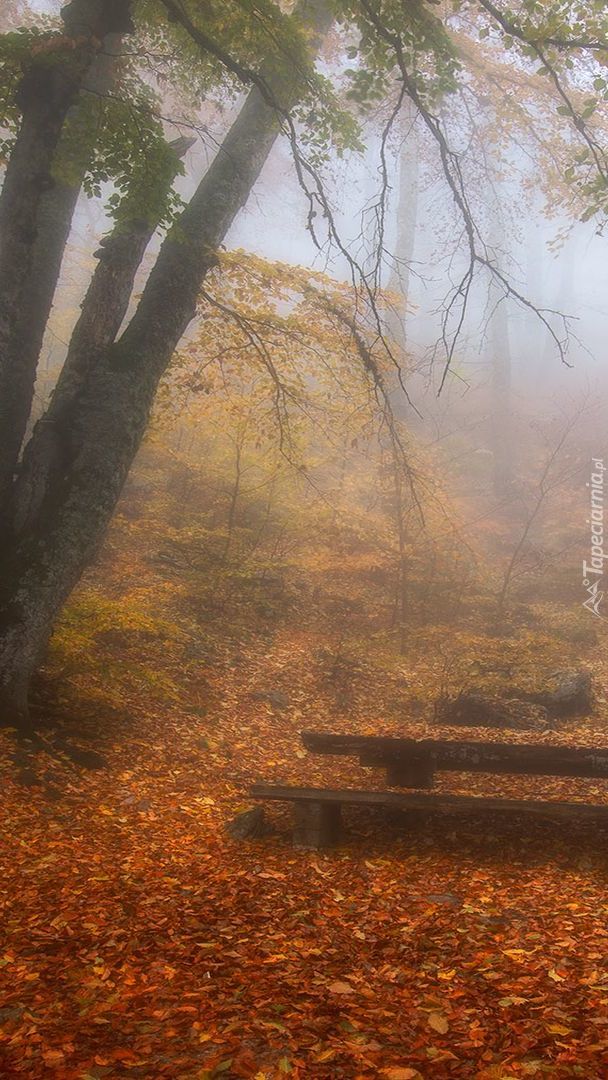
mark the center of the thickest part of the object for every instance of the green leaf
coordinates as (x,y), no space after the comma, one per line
(222,1067)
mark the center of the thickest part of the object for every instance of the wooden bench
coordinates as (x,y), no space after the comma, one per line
(317,812)
(413,762)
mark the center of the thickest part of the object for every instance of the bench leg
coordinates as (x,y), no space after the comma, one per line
(418,773)
(316,824)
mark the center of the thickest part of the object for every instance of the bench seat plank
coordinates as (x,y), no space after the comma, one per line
(416,800)
(317,810)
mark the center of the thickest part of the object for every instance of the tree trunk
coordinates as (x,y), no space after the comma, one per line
(47,454)
(56,210)
(563,298)
(502,411)
(102,429)
(531,336)
(499,350)
(47,92)
(407,215)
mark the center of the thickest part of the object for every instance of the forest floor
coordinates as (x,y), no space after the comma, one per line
(140,940)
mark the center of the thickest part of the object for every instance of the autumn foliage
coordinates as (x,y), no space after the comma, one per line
(249,589)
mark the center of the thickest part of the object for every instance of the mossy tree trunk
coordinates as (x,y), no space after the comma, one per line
(85,444)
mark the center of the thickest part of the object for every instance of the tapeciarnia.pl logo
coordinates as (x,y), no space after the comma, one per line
(593,571)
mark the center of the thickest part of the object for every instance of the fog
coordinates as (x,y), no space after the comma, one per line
(555,261)
(303,603)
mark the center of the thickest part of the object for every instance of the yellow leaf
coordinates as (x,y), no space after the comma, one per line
(447,976)
(555,975)
(438,1022)
(515,954)
(327,1055)
(559,1029)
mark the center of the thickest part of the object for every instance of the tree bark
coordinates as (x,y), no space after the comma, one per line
(33,224)
(501,405)
(47,454)
(57,207)
(407,215)
(102,429)
(502,409)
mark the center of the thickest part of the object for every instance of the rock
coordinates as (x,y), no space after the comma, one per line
(276,698)
(249,825)
(476,709)
(494,922)
(89,759)
(569,693)
(444,898)
(141,805)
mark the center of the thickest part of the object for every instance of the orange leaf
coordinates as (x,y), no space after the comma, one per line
(53,1057)
(341,988)
(399,1072)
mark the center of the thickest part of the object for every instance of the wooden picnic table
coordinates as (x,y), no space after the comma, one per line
(413,762)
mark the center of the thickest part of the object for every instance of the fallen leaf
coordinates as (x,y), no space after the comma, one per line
(438,1022)
(327,1055)
(53,1058)
(555,975)
(399,1072)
